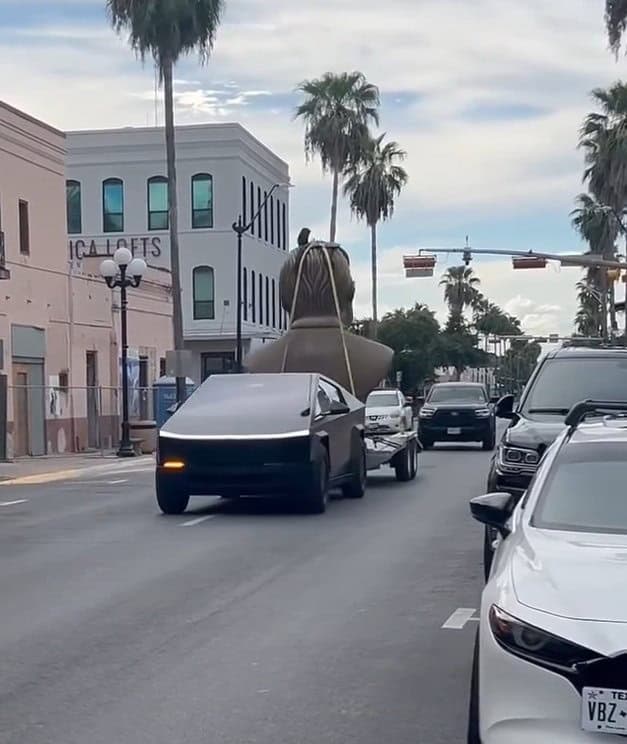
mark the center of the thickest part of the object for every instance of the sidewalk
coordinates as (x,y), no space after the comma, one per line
(33,470)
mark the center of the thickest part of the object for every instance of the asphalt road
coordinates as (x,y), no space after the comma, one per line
(239,623)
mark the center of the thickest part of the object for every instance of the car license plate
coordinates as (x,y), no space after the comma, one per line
(604,710)
(454,430)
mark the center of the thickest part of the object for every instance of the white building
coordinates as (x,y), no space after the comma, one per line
(117,195)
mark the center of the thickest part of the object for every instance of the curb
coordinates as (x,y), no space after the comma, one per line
(67,474)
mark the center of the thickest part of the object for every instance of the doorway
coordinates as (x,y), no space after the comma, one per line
(143,388)
(91,379)
(21,429)
(216,363)
(29,405)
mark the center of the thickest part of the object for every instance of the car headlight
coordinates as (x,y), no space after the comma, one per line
(482,412)
(426,412)
(536,645)
(509,455)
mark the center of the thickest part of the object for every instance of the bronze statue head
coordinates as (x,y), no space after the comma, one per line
(315,292)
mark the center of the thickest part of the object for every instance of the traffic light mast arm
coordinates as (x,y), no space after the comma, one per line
(562,258)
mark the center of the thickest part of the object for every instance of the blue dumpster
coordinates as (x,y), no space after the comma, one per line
(164,396)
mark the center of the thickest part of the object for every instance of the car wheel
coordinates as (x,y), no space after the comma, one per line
(318,496)
(356,487)
(489,536)
(474,736)
(171,500)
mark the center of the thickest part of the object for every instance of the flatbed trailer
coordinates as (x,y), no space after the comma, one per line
(400,451)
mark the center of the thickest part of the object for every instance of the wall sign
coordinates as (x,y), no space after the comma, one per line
(142,247)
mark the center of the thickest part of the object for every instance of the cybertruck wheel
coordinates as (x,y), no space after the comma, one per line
(317,497)
(171,500)
(356,487)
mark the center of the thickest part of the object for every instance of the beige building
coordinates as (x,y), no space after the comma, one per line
(59,323)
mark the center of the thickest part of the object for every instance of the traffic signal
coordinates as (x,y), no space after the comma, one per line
(528,262)
(418,266)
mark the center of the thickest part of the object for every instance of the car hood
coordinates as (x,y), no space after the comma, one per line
(383,410)
(534,433)
(572,575)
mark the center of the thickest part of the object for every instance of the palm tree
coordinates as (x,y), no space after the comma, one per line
(460,291)
(166,30)
(616,22)
(590,308)
(337,111)
(373,185)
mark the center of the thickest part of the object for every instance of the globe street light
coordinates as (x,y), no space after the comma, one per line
(123,271)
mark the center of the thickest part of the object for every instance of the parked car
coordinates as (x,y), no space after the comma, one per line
(550,659)
(457,412)
(561,379)
(387,411)
(292,434)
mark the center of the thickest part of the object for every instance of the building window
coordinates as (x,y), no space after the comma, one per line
(260,299)
(273,304)
(267,301)
(244,196)
(203,290)
(272,220)
(278,223)
(202,201)
(252,208)
(158,217)
(24,228)
(253,306)
(245,293)
(258,212)
(73,207)
(112,205)
(265,216)
(284,226)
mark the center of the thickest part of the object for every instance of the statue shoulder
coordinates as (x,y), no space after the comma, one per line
(266,357)
(359,343)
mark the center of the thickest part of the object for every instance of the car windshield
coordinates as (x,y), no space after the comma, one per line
(457,393)
(382,399)
(571,498)
(563,382)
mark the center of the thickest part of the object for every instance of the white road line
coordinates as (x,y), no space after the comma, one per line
(194,522)
(13,503)
(115,482)
(459,618)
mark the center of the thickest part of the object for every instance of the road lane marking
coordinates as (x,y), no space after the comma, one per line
(460,617)
(13,503)
(194,522)
(116,482)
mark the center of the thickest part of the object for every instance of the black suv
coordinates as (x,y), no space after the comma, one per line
(457,412)
(562,378)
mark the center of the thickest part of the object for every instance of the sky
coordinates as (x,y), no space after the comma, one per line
(485,96)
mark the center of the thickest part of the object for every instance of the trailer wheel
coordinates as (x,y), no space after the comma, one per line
(413,450)
(402,464)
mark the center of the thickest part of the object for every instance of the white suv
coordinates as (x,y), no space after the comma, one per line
(387,411)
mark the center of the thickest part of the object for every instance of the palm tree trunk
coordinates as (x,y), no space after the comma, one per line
(334,197)
(373,262)
(177,310)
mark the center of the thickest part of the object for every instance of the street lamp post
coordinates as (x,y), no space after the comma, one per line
(239,228)
(123,271)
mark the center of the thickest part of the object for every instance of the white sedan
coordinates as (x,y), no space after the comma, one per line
(388,411)
(550,663)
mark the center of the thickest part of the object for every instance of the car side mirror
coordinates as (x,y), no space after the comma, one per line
(337,409)
(505,407)
(493,510)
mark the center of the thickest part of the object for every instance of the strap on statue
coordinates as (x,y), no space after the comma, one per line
(325,249)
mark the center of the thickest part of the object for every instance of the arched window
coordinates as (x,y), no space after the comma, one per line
(265,216)
(258,211)
(278,223)
(273,304)
(244,200)
(202,201)
(112,205)
(204,293)
(260,299)
(245,293)
(267,301)
(253,303)
(158,217)
(272,220)
(284,226)
(74,207)
(252,208)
